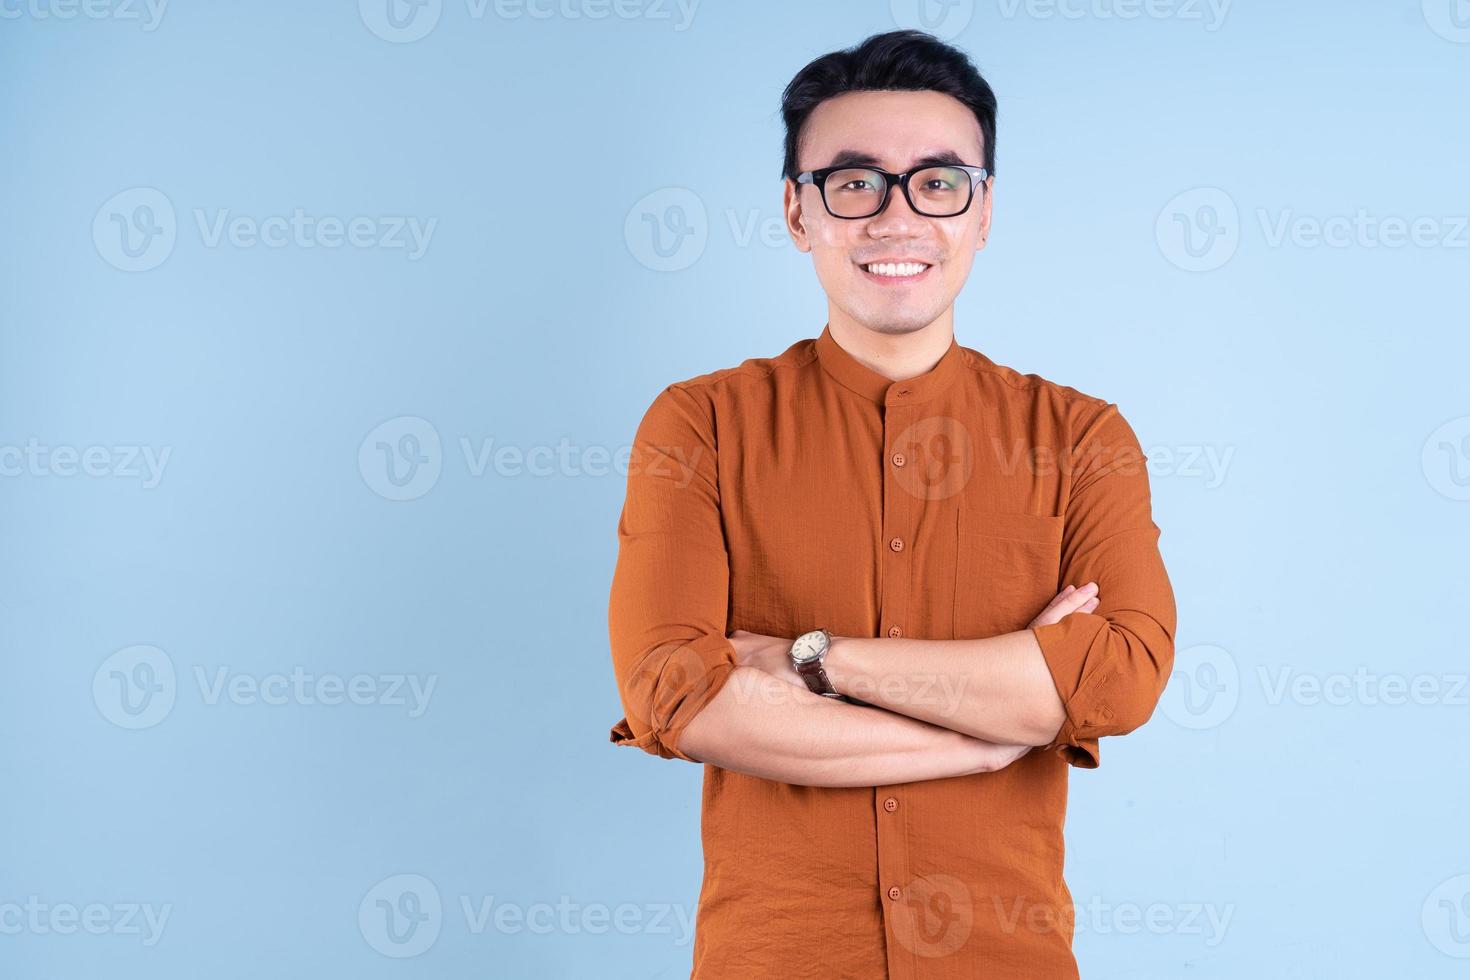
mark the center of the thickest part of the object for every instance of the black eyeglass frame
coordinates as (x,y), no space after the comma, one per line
(818,178)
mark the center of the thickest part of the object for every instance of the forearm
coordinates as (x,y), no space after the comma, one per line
(763,726)
(997,689)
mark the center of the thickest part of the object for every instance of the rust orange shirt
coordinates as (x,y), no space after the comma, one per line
(807,490)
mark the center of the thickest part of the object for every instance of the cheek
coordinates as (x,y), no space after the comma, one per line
(830,236)
(957,269)
(960,252)
(831,249)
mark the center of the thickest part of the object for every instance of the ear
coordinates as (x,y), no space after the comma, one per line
(988,187)
(795,216)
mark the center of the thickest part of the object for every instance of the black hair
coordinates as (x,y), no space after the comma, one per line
(907,60)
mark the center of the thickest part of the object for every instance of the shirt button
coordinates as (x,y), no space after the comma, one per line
(895,631)
(894,892)
(896,544)
(899,459)
(890,804)
(904,391)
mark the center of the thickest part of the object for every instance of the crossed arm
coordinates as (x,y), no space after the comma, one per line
(958,707)
(1091,664)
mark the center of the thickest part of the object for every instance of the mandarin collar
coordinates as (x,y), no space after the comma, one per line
(852,374)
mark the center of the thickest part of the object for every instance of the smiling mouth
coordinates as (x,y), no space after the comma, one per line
(895,273)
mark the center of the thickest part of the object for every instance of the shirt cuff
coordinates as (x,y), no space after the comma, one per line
(1067,647)
(670,690)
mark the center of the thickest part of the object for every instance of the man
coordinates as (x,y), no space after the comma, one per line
(839,568)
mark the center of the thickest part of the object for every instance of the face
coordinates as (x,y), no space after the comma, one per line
(895,130)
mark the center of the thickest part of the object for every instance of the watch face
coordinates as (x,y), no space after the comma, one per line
(809,646)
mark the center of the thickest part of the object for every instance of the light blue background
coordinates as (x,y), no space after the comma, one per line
(1330,835)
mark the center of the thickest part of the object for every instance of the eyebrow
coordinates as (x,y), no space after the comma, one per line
(857,158)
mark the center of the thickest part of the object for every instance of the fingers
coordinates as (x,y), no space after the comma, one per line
(1071,599)
(1060,596)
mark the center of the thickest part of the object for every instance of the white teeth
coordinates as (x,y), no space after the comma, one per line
(896,268)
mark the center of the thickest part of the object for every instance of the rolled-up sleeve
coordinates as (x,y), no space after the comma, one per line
(1109,666)
(670,590)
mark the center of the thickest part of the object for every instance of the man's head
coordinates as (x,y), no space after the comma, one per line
(895,102)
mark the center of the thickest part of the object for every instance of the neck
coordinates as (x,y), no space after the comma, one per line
(896,356)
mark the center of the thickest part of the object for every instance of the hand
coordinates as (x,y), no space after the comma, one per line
(984,756)
(1069,600)
(1004,755)
(771,654)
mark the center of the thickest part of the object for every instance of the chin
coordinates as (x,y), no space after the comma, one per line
(895,322)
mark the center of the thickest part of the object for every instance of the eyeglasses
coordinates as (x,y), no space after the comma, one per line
(861,192)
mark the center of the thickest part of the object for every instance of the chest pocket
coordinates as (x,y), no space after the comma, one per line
(1006,570)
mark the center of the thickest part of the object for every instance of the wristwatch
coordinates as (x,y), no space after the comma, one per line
(807,653)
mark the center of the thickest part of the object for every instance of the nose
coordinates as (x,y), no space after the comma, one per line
(897,219)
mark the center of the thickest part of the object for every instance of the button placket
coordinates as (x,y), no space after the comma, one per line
(898,510)
(896,560)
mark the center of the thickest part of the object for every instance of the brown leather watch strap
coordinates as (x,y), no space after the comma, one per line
(816,678)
